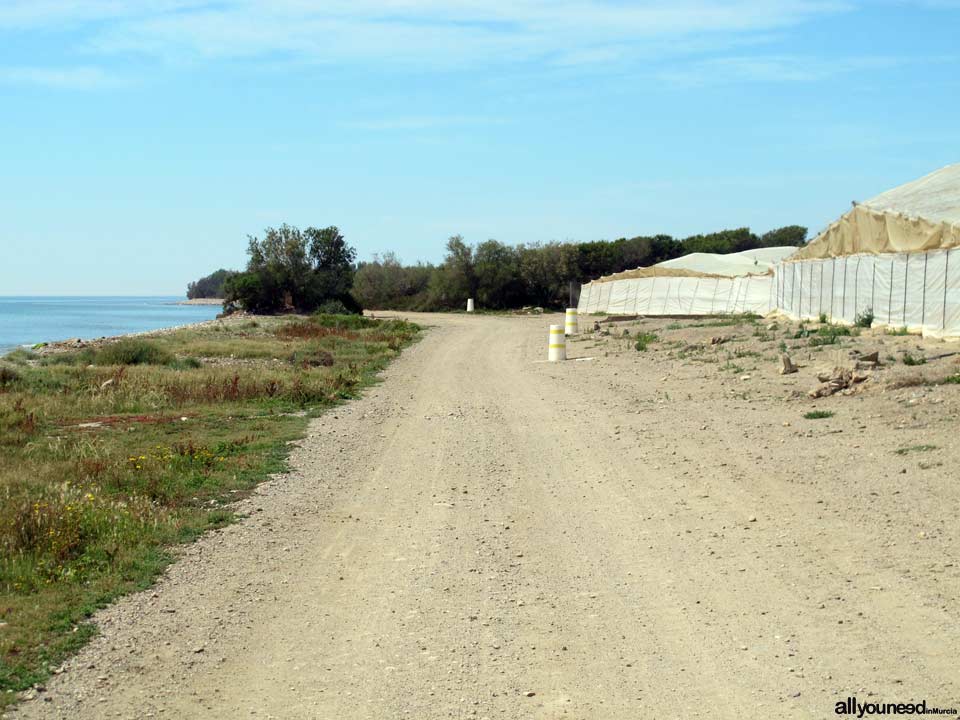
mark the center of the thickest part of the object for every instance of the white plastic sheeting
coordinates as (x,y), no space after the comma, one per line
(680,296)
(919,291)
(746,262)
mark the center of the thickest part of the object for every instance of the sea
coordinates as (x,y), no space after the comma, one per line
(25,321)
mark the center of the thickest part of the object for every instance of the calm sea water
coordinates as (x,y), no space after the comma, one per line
(29,320)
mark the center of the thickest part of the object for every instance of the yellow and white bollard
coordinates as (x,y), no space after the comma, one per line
(470,305)
(572,327)
(557,348)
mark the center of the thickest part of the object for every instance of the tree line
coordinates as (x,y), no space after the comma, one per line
(501,277)
(315,269)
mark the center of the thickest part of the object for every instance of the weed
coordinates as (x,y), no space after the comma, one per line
(818,415)
(953,380)
(732,367)
(864,319)
(829,335)
(915,448)
(823,318)
(644,339)
(898,331)
(910,360)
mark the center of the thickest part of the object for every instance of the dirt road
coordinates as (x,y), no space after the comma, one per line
(486,535)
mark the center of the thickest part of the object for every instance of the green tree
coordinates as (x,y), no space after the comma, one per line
(385,283)
(788,236)
(455,280)
(210,286)
(293,270)
(497,272)
(332,263)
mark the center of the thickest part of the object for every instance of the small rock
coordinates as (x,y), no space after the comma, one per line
(529,693)
(786,365)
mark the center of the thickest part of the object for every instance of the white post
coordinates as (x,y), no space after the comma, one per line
(571,326)
(470,305)
(557,344)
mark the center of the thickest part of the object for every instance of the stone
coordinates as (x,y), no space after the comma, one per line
(786,365)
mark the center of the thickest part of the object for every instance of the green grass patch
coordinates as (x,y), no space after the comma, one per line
(110,456)
(818,415)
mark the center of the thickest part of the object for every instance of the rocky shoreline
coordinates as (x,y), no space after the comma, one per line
(201,301)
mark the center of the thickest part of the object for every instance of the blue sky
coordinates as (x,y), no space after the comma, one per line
(142,141)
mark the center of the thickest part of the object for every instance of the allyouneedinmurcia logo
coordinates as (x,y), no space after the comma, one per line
(850,706)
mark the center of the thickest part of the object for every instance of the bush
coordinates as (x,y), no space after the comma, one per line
(334,307)
(818,415)
(132,352)
(909,359)
(8,375)
(644,339)
(864,319)
(20,356)
(344,322)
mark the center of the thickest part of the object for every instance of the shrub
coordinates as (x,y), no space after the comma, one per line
(818,415)
(864,319)
(953,380)
(909,359)
(132,352)
(823,319)
(8,376)
(20,356)
(308,359)
(344,322)
(334,307)
(309,330)
(644,339)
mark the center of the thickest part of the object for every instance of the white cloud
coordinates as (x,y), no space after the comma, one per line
(431,33)
(781,68)
(421,122)
(72,78)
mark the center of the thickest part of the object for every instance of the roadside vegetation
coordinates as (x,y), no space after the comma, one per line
(502,277)
(313,269)
(109,457)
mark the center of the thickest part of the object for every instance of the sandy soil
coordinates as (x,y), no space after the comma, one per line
(644,534)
